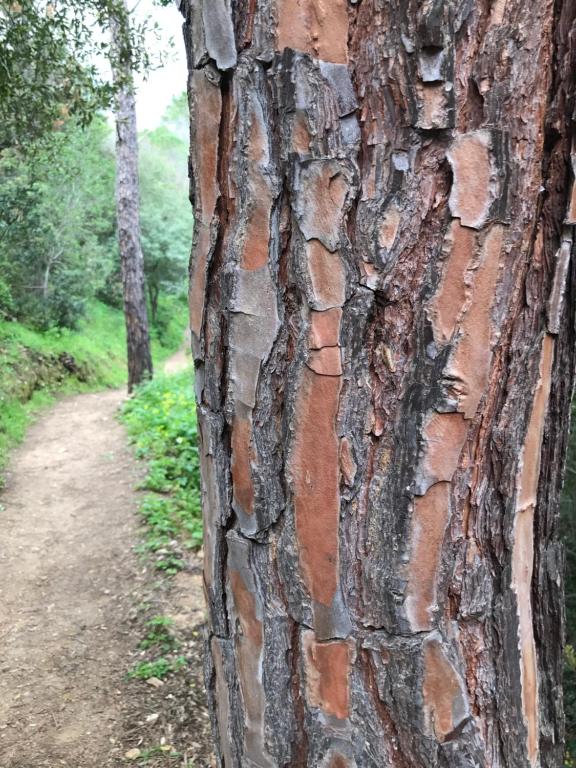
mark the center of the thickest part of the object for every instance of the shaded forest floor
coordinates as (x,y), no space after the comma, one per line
(76,602)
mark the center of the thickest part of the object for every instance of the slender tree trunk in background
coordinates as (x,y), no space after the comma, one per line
(128,215)
(153,295)
(382,316)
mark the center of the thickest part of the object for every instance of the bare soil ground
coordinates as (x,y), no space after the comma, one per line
(74,597)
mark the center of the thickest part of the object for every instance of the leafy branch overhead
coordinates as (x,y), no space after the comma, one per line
(55,62)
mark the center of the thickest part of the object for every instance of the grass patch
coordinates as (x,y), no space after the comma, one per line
(36,366)
(159,634)
(159,668)
(161,422)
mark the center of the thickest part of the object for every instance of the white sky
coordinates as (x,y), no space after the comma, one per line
(161,85)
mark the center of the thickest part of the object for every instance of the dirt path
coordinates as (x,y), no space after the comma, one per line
(69,584)
(181,360)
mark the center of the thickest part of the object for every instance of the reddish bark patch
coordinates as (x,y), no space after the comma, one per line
(469,365)
(326,361)
(257,240)
(431,513)
(242,455)
(388,228)
(327,666)
(522,571)
(326,275)
(444,435)
(197,292)
(339,761)
(497,13)
(325,328)
(316,481)
(207,99)
(317,27)
(523,550)
(245,605)
(248,22)
(527,483)
(300,134)
(433,104)
(571,213)
(450,298)
(445,704)
(370,275)
(472,193)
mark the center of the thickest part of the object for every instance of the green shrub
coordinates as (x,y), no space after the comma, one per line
(6,300)
(159,634)
(160,668)
(161,421)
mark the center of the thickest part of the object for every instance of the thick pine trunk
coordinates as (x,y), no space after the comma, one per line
(128,214)
(382,319)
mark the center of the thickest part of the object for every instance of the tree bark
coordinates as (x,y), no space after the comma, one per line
(382,313)
(153,296)
(128,210)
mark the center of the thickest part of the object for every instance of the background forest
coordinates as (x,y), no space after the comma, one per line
(57,222)
(60,286)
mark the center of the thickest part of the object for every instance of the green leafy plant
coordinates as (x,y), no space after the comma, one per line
(159,634)
(49,54)
(159,668)
(161,422)
(147,669)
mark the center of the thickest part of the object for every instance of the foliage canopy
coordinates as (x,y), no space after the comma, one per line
(57,222)
(53,62)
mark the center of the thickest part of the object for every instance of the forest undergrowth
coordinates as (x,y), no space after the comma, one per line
(161,423)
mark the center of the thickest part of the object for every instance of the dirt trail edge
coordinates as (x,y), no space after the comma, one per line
(69,584)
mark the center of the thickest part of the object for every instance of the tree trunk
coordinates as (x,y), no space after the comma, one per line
(128,211)
(154,296)
(382,309)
